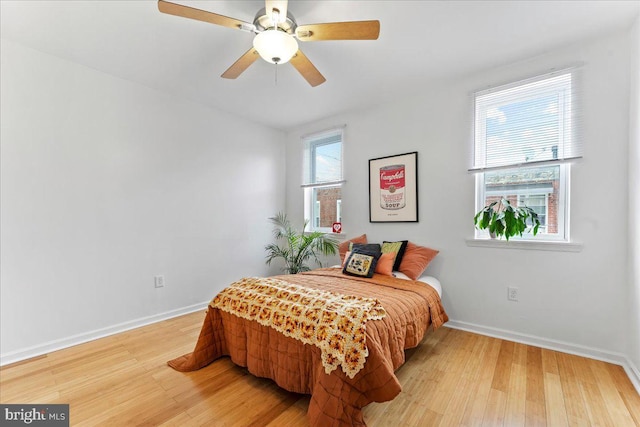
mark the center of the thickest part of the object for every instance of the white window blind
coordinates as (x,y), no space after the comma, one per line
(526,123)
(323,158)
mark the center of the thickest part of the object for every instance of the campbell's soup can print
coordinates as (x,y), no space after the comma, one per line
(392,187)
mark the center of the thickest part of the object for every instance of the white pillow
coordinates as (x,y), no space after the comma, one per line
(429,280)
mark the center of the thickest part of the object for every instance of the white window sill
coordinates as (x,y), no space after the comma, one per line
(535,245)
(335,236)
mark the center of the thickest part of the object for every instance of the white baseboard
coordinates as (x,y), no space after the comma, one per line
(633,373)
(578,350)
(27,353)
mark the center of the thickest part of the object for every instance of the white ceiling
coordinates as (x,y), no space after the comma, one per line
(419,41)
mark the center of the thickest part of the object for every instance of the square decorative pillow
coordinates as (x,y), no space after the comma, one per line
(416,259)
(398,248)
(344,246)
(370,247)
(383,266)
(361,263)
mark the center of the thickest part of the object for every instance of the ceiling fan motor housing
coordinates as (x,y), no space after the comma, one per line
(263,22)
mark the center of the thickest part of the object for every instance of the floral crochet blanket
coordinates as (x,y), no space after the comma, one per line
(332,322)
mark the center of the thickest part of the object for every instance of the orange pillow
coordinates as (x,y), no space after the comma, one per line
(346,256)
(416,259)
(384,265)
(344,246)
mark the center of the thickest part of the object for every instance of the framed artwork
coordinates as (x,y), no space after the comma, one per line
(393,188)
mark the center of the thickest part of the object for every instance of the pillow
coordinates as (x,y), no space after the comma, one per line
(361,263)
(427,280)
(346,256)
(416,259)
(397,248)
(344,246)
(383,266)
(370,247)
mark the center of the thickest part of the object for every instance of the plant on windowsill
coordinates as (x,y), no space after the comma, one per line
(503,219)
(298,247)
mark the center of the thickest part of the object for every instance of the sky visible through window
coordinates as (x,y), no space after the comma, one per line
(524,131)
(328,158)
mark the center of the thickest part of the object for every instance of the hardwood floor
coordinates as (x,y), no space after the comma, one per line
(454,378)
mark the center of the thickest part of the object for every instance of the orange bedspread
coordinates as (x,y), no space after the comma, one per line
(334,323)
(336,399)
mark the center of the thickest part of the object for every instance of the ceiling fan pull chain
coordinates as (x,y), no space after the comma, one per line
(276,74)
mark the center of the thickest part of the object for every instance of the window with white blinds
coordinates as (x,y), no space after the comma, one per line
(526,134)
(529,122)
(322,179)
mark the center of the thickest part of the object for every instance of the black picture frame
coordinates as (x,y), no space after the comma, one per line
(393,188)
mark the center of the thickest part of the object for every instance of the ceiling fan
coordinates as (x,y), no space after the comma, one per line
(276,32)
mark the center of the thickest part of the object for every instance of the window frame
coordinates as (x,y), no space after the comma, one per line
(562,214)
(522,203)
(567,123)
(311,143)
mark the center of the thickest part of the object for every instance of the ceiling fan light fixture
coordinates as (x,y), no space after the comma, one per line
(275,46)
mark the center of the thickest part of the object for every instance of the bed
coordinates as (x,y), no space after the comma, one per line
(339,390)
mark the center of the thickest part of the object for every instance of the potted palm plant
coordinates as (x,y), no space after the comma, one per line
(296,248)
(503,219)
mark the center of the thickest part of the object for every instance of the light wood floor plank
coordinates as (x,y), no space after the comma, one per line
(549,362)
(471,351)
(495,409)
(535,378)
(632,402)
(554,400)
(535,410)
(616,407)
(520,353)
(515,411)
(503,367)
(474,412)
(295,415)
(572,392)
(594,402)
(454,378)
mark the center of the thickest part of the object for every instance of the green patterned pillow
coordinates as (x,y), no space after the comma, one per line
(398,248)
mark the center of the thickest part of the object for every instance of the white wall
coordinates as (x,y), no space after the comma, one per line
(634,201)
(574,299)
(106,183)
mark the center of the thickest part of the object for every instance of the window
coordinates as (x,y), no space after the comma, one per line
(524,141)
(540,204)
(323,179)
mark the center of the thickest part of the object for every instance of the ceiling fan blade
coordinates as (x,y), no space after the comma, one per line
(307,69)
(200,15)
(241,64)
(280,5)
(356,30)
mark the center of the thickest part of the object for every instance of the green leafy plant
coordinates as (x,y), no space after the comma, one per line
(503,219)
(296,248)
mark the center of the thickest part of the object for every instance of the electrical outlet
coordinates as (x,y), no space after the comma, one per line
(158,281)
(512,293)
